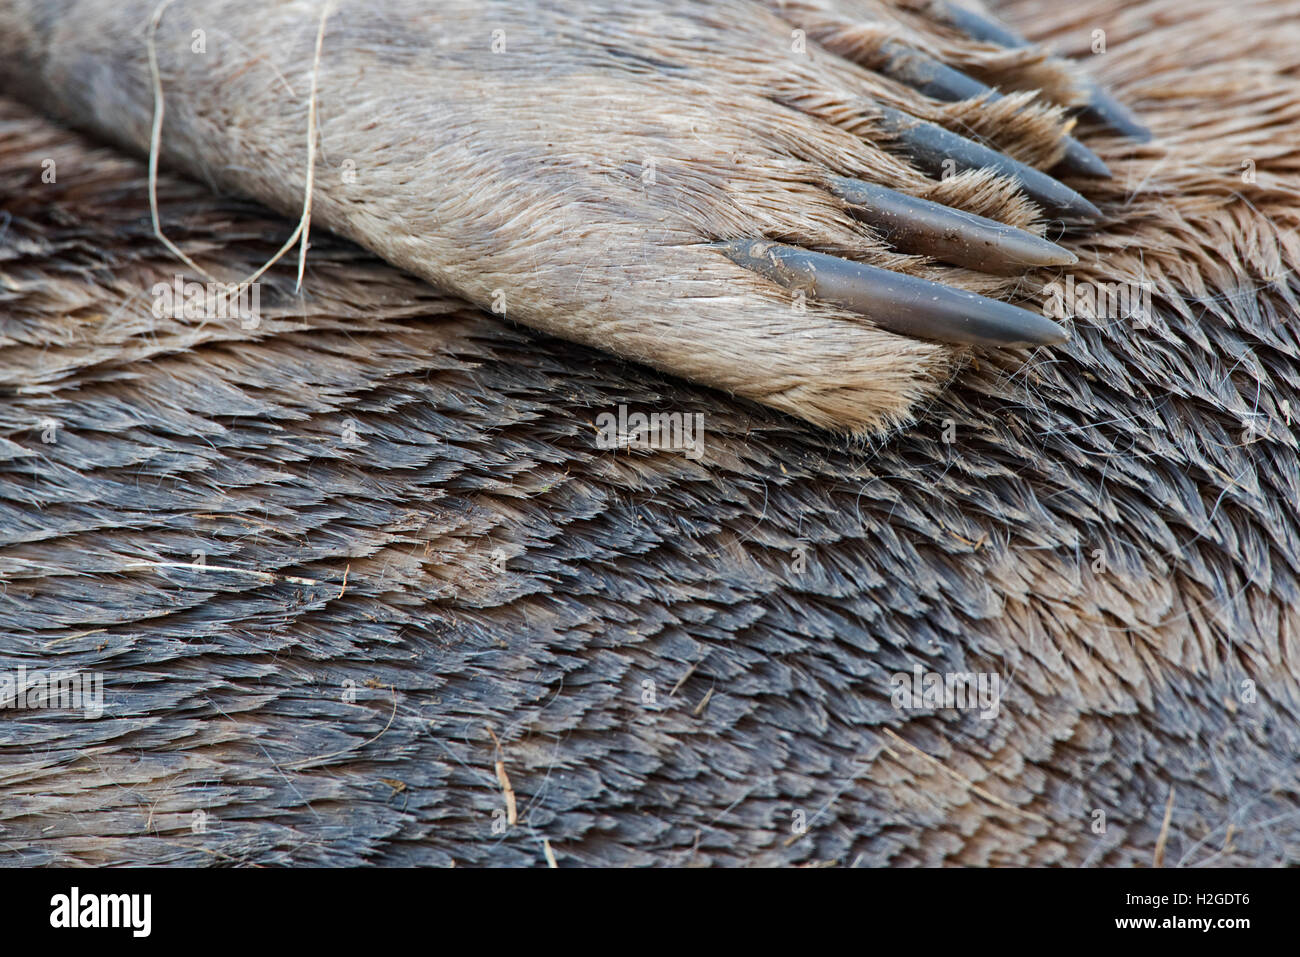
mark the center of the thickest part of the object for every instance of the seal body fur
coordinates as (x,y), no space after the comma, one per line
(317,560)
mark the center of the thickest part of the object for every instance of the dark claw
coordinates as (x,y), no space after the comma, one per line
(930,145)
(942,82)
(1083,161)
(926,74)
(975,26)
(896,301)
(1102,106)
(953,235)
(1109,111)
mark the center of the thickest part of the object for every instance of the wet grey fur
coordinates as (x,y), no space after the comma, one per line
(503,571)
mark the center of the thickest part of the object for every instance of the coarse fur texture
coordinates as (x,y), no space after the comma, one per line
(594,151)
(473,561)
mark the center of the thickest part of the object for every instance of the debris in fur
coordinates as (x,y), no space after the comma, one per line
(728,117)
(1112,527)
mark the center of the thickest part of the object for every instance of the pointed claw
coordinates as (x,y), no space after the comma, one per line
(975,26)
(940,81)
(1101,106)
(926,74)
(931,145)
(1083,161)
(953,235)
(895,301)
(1106,109)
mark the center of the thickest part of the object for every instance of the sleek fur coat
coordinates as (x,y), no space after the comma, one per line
(363,587)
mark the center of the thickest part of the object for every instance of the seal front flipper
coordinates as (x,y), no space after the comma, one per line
(483,162)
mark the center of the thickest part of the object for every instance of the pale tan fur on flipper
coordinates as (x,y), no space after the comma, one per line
(551,182)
